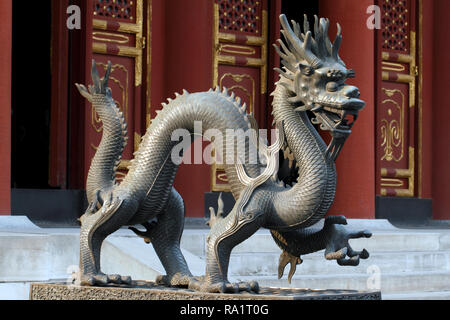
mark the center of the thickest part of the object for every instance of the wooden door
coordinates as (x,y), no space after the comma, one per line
(240,61)
(119,35)
(396,120)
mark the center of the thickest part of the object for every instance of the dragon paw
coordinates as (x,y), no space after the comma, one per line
(101,279)
(176,280)
(203,285)
(338,247)
(286,258)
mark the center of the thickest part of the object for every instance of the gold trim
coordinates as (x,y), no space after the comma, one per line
(218,59)
(420,103)
(403,58)
(133,52)
(149,61)
(402,173)
(391,183)
(97,36)
(238,78)
(251,40)
(391,66)
(264,51)
(390,130)
(236,49)
(123,26)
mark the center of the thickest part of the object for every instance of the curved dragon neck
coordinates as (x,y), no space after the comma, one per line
(153,168)
(309,200)
(101,175)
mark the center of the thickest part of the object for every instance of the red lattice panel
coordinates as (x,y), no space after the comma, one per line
(395,25)
(117,9)
(240,16)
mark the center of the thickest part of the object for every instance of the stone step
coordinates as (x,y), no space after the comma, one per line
(386,262)
(386,241)
(408,282)
(438,295)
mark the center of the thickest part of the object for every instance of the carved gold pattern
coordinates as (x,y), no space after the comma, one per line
(402,173)
(221,36)
(133,52)
(414,71)
(110,37)
(391,183)
(239,78)
(392,131)
(391,66)
(395,27)
(236,49)
(239,15)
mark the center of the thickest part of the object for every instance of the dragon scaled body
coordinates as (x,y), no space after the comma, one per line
(312,82)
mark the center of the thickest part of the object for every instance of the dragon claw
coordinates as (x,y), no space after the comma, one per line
(339,238)
(286,258)
(101,279)
(203,285)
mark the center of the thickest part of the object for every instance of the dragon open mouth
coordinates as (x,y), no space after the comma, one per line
(338,118)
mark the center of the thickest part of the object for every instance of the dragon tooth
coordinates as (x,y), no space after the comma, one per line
(185,92)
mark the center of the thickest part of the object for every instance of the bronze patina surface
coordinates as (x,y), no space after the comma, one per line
(311,95)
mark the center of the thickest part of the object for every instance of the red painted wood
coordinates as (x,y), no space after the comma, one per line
(427,97)
(80,73)
(59,104)
(355,197)
(187,58)
(274,59)
(441,112)
(5,105)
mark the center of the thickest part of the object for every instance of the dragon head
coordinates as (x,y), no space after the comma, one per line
(315,76)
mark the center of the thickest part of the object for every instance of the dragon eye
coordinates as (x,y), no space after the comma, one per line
(306,70)
(332,86)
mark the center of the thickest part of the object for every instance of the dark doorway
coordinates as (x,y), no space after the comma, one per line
(31,193)
(31,93)
(295,10)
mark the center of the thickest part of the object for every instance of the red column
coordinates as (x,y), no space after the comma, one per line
(355,197)
(426,87)
(441,112)
(5,105)
(182,59)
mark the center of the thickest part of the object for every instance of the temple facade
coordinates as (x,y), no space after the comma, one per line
(395,164)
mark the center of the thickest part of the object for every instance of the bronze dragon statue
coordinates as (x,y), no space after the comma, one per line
(311,91)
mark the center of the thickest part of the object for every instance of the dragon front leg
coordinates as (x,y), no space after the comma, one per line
(164,233)
(224,235)
(95,227)
(333,237)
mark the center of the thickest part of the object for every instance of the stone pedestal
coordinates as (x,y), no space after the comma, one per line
(144,290)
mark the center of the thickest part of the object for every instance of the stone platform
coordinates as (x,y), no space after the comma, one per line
(145,290)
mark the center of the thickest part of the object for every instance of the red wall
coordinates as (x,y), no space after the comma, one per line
(182,59)
(5,105)
(441,112)
(355,197)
